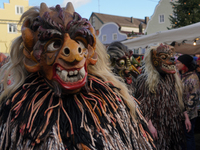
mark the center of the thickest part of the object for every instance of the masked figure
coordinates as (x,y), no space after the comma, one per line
(124,63)
(159,90)
(61,96)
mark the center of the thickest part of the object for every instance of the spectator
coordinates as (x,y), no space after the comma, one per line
(186,66)
(198,67)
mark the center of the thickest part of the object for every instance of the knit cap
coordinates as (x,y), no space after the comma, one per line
(186,60)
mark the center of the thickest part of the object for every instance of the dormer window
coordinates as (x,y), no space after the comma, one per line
(19,10)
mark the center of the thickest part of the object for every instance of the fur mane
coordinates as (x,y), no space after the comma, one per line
(15,67)
(153,76)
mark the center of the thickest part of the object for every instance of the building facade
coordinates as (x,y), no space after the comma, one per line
(9,18)
(128,25)
(160,19)
(109,33)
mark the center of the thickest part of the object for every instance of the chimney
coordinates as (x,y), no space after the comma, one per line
(140,27)
(146,20)
(132,20)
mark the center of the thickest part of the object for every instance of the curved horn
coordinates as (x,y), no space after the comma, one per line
(69,8)
(43,9)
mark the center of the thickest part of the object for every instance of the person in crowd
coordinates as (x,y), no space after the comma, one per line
(63,95)
(198,67)
(124,64)
(160,92)
(186,66)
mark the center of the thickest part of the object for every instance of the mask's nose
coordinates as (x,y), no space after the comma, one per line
(172,59)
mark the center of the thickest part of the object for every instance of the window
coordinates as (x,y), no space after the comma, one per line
(143,50)
(114,36)
(136,51)
(19,10)
(104,38)
(12,28)
(161,19)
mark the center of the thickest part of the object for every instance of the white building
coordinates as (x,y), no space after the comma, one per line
(159,21)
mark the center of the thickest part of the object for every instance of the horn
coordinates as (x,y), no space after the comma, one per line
(43,9)
(69,8)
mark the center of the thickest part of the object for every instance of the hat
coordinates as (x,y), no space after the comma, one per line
(187,60)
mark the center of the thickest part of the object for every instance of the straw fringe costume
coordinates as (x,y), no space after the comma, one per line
(162,108)
(159,98)
(34,117)
(61,97)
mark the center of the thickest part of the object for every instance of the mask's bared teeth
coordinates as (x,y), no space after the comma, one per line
(73,79)
(80,77)
(82,72)
(71,73)
(75,72)
(63,75)
(58,73)
(71,76)
(58,68)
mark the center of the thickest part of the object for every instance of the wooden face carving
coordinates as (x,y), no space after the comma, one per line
(60,45)
(123,62)
(163,59)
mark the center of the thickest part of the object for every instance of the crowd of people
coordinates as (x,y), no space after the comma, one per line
(60,91)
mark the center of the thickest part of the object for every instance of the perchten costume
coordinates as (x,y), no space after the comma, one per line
(159,90)
(124,64)
(63,94)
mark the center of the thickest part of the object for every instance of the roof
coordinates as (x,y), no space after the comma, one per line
(119,20)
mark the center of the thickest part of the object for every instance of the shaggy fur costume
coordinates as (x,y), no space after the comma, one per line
(34,117)
(161,102)
(39,113)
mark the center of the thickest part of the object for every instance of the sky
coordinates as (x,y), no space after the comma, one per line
(127,8)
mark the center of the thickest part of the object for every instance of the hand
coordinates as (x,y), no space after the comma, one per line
(187,122)
(153,130)
(187,125)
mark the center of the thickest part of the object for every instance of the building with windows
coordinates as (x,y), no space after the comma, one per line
(159,21)
(109,33)
(111,28)
(9,17)
(127,25)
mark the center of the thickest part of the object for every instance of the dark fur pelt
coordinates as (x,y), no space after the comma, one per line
(34,117)
(162,107)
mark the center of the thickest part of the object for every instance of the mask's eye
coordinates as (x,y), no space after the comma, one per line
(122,62)
(163,57)
(81,48)
(81,44)
(53,45)
(82,40)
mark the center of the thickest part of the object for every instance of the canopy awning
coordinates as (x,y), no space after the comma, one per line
(184,37)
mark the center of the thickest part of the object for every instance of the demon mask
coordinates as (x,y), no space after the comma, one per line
(123,62)
(59,44)
(163,60)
